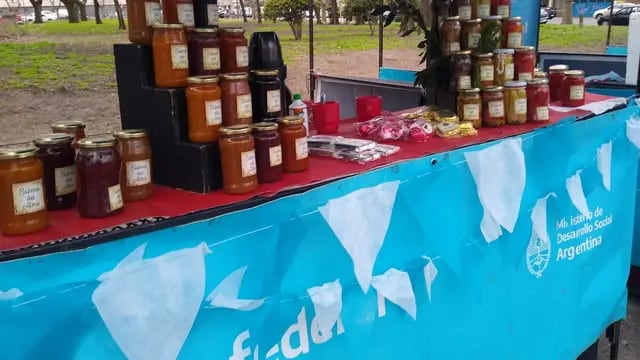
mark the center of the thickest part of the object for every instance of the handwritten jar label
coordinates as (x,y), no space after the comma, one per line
(211,58)
(213,112)
(138,172)
(243,106)
(526,76)
(275,155)
(576,92)
(273,101)
(248,163)
(484,11)
(543,113)
(242,56)
(179,57)
(503,10)
(496,109)
(115,197)
(454,46)
(185,14)
(471,112)
(153,13)
(302,150)
(464,82)
(486,73)
(464,12)
(28,197)
(474,40)
(65,180)
(514,40)
(509,72)
(212,14)
(520,106)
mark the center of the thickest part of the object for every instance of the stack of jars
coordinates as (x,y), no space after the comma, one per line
(567,86)
(65,169)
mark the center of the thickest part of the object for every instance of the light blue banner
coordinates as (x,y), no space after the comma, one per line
(287,280)
(530,13)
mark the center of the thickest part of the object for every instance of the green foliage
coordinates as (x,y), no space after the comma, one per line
(292,11)
(353,8)
(490,38)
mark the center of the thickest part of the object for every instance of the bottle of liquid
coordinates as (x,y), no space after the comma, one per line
(299,108)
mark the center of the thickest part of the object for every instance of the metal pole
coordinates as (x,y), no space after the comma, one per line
(609,22)
(380,38)
(312,83)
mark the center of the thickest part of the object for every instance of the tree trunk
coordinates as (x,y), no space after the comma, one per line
(72,9)
(96,12)
(244,13)
(82,7)
(296,28)
(334,12)
(121,23)
(37,10)
(567,12)
(316,13)
(258,12)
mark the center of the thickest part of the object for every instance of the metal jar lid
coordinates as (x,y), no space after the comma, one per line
(100,141)
(291,120)
(68,125)
(574,73)
(167,26)
(266,72)
(235,130)
(558,68)
(515,84)
(235,76)
(53,139)
(130,134)
(205,79)
(492,89)
(265,126)
(18,152)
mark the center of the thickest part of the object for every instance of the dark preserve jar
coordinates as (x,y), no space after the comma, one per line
(98,164)
(268,152)
(59,165)
(205,13)
(265,95)
(73,128)
(204,52)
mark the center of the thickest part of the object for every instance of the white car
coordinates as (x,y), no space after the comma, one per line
(46,16)
(607,11)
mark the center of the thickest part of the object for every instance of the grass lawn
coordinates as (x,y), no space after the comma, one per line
(79,56)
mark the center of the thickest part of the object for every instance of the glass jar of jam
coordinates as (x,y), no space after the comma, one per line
(178,12)
(205,13)
(463,8)
(450,35)
(98,164)
(512,33)
(470,106)
(170,56)
(556,79)
(525,62)
(573,88)
(237,108)
(268,151)
(484,70)
(238,158)
(22,200)
(538,96)
(265,95)
(59,164)
(135,174)
(515,102)
(234,50)
(204,108)
(73,128)
(470,34)
(293,137)
(141,15)
(461,68)
(480,9)
(492,106)
(204,51)
(503,64)
(501,8)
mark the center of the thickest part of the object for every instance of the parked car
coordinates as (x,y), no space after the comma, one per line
(544,16)
(619,18)
(607,11)
(551,11)
(49,15)
(31,17)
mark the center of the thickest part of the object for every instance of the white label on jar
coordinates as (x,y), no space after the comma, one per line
(486,73)
(213,112)
(520,106)
(496,109)
(153,13)
(454,46)
(474,40)
(179,57)
(28,197)
(275,155)
(185,14)
(273,101)
(302,151)
(65,178)
(509,72)
(115,197)
(526,76)
(514,40)
(212,14)
(248,163)
(242,56)
(543,113)
(243,106)
(138,172)
(211,58)
(484,10)
(464,82)
(464,12)
(576,92)
(503,10)
(471,112)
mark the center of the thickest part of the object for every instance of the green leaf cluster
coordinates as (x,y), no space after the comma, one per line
(353,8)
(289,10)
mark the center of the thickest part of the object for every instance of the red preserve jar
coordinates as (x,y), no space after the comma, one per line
(234,51)
(524,61)
(501,7)
(538,100)
(178,12)
(556,79)
(573,88)
(268,151)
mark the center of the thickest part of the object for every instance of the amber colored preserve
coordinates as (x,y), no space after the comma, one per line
(170,56)
(293,136)
(237,108)
(22,202)
(135,173)
(178,12)
(59,163)
(73,128)
(234,50)
(141,15)
(204,108)
(238,158)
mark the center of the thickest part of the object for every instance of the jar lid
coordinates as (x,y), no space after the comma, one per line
(559,67)
(265,126)
(515,18)
(291,120)
(525,49)
(53,139)
(452,18)
(470,91)
(130,134)
(266,72)
(68,125)
(574,73)
(492,88)
(472,21)
(493,17)
(515,84)
(99,141)
(205,79)
(538,81)
(167,26)
(539,74)
(446,116)
(235,130)
(504,51)
(461,52)
(203,30)
(232,30)
(484,55)
(18,152)
(235,76)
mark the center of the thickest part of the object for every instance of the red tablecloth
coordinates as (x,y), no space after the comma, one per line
(168,202)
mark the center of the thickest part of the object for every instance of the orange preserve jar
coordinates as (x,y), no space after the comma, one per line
(170,56)
(22,204)
(178,12)
(135,172)
(238,158)
(141,15)
(204,108)
(234,51)
(73,128)
(237,108)
(293,137)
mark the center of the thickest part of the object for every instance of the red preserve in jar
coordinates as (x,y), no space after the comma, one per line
(573,88)
(234,51)
(556,79)
(524,61)
(178,12)
(268,151)
(538,100)
(204,51)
